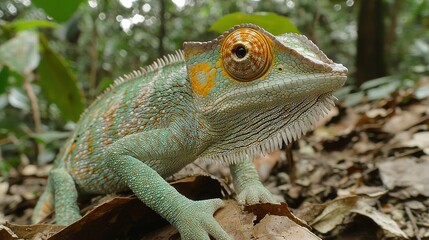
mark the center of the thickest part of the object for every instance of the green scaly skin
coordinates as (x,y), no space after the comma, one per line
(184,107)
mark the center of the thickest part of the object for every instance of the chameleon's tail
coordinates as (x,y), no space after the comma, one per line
(44,206)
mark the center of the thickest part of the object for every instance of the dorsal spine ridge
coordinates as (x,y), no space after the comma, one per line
(161,62)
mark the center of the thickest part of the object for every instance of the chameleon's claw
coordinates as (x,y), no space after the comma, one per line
(255,193)
(196,221)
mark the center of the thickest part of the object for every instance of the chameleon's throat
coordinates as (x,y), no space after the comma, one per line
(264,131)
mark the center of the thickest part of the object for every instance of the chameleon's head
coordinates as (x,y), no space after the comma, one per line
(260,90)
(247,68)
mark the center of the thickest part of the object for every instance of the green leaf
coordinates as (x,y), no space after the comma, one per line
(61,11)
(271,22)
(18,99)
(21,53)
(58,83)
(343,92)
(353,99)
(422,92)
(4,82)
(104,84)
(375,82)
(50,136)
(21,25)
(383,91)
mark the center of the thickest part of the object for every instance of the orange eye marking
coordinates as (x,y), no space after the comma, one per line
(193,52)
(246,54)
(202,78)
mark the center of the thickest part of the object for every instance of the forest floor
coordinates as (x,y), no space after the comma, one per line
(363,173)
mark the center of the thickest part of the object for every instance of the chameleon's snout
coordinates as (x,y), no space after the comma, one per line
(339,69)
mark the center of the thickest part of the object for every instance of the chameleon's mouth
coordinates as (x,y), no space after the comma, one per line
(288,124)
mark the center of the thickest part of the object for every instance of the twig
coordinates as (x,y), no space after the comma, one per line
(290,162)
(94,59)
(413,222)
(33,102)
(34,108)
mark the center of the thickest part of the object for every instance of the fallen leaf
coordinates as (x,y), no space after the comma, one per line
(408,172)
(333,213)
(36,231)
(6,233)
(282,209)
(421,140)
(401,121)
(234,221)
(381,219)
(281,227)
(325,217)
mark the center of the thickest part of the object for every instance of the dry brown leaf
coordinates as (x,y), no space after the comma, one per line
(421,140)
(7,233)
(401,121)
(325,217)
(281,227)
(381,219)
(333,213)
(282,209)
(377,112)
(408,172)
(165,232)
(234,221)
(37,231)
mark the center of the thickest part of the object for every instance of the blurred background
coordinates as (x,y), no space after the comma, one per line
(57,56)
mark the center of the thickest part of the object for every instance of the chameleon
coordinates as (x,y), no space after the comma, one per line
(241,95)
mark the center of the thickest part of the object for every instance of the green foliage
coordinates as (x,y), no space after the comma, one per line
(50,136)
(5,166)
(61,11)
(59,83)
(4,73)
(21,25)
(21,53)
(271,22)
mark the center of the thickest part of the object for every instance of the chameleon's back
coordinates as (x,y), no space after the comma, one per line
(135,103)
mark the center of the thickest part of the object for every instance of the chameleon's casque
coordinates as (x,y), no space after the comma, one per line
(242,94)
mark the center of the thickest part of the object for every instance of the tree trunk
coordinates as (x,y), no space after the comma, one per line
(161,49)
(370,62)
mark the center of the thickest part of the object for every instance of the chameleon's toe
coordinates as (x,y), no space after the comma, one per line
(197,222)
(255,193)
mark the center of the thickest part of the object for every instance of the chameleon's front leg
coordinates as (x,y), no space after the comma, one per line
(247,184)
(130,158)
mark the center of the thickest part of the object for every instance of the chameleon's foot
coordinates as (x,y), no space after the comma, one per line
(255,193)
(196,221)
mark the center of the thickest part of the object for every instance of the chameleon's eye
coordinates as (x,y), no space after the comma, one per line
(246,54)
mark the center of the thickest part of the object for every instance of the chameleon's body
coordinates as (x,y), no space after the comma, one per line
(226,100)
